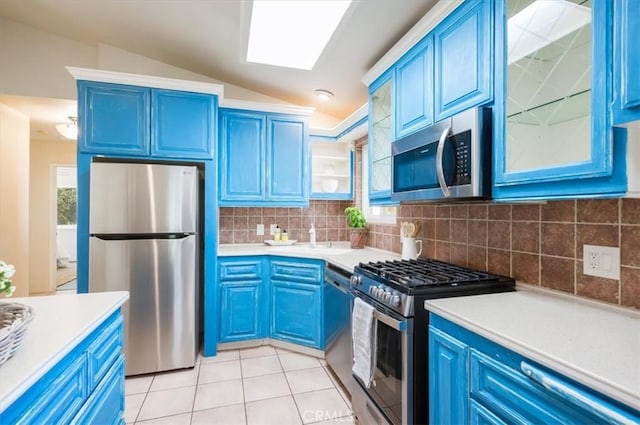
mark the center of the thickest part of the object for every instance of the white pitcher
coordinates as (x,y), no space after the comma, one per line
(410,250)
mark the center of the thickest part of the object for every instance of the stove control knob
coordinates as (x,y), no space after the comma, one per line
(386,296)
(395,301)
(356,280)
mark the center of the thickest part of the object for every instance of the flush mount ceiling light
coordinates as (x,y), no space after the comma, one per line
(323,94)
(70,130)
(292,34)
(541,23)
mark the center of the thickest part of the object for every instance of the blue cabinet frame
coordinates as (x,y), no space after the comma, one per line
(626,63)
(604,175)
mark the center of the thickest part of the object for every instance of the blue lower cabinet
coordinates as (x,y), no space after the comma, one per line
(448,394)
(242,311)
(473,380)
(296,313)
(85,387)
(244,299)
(106,403)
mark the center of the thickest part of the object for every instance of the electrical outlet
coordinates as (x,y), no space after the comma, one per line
(259,229)
(272,229)
(602,261)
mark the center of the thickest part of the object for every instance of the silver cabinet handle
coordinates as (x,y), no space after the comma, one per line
(439,157)
(574,396)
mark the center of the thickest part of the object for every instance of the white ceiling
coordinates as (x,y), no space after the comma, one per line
(44,114)
(209,37)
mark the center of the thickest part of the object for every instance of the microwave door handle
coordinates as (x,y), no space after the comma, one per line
(439,162)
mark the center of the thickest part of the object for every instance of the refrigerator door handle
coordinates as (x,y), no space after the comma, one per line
(129,236)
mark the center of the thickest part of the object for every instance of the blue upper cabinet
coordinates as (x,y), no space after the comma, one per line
(552,117)
(242,152)
(414,89)
(183,124)
(287,146)
(113,118)
(626,100)
(264,159)
(381,135)
(126,120)
(463,58)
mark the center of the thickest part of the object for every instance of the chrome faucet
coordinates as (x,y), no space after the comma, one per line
(312,235)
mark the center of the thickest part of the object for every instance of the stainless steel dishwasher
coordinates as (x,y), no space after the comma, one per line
(338,302)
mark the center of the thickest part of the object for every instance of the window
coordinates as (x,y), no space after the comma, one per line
(67,205)
(374,213)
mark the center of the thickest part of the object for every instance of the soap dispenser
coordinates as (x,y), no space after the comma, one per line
(312,235)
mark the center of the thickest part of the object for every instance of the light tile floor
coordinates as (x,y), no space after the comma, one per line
(261,386)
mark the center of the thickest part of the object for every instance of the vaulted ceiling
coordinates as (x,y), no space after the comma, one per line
(209,37)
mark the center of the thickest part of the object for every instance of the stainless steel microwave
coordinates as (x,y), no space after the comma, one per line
(450,160)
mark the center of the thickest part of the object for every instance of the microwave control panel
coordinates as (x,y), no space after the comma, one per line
(462,142)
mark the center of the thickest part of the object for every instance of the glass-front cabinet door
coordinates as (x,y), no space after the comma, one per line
(554,126)
(380,138)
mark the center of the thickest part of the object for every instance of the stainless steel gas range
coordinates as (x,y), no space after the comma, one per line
(398,393)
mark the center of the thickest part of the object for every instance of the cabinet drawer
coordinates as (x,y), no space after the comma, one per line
(105,349)
(513,397)
(298,272)
(241,270)
(106,403)
(58,401)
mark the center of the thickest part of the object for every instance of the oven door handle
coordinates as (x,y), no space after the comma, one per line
(439,161)
(399,325)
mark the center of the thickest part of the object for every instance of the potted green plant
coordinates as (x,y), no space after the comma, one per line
(358,226)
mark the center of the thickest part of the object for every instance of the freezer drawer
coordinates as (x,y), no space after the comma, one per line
(160,317)
(142,198)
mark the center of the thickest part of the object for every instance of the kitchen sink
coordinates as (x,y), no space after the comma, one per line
(320,249)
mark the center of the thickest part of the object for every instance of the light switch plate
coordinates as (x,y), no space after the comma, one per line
(601,261)
(259,229)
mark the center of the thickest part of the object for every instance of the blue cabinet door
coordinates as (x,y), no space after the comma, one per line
(414,89)
(381,135)
(597,169)
(626,101)
(448,379)
(244,300)
(113,118)
(106,404)
(296,313)
(288,161)
(242,157)
(241,311)
(464,58)
(183,124)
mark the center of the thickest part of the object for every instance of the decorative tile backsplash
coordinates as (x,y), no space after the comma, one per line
(238,225)
(539,244)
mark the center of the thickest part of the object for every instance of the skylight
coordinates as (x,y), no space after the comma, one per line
(292,34)
(541,23)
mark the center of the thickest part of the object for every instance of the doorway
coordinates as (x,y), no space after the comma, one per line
(65,207)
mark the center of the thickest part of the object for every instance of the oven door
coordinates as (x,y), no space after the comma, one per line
(390,392)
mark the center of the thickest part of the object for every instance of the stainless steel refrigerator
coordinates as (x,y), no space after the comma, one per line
(143,226)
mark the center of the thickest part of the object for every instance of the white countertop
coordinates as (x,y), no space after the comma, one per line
(60,323)
(339,254)
(593,343)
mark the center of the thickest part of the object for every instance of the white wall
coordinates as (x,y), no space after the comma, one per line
(14,195)
(34,61)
